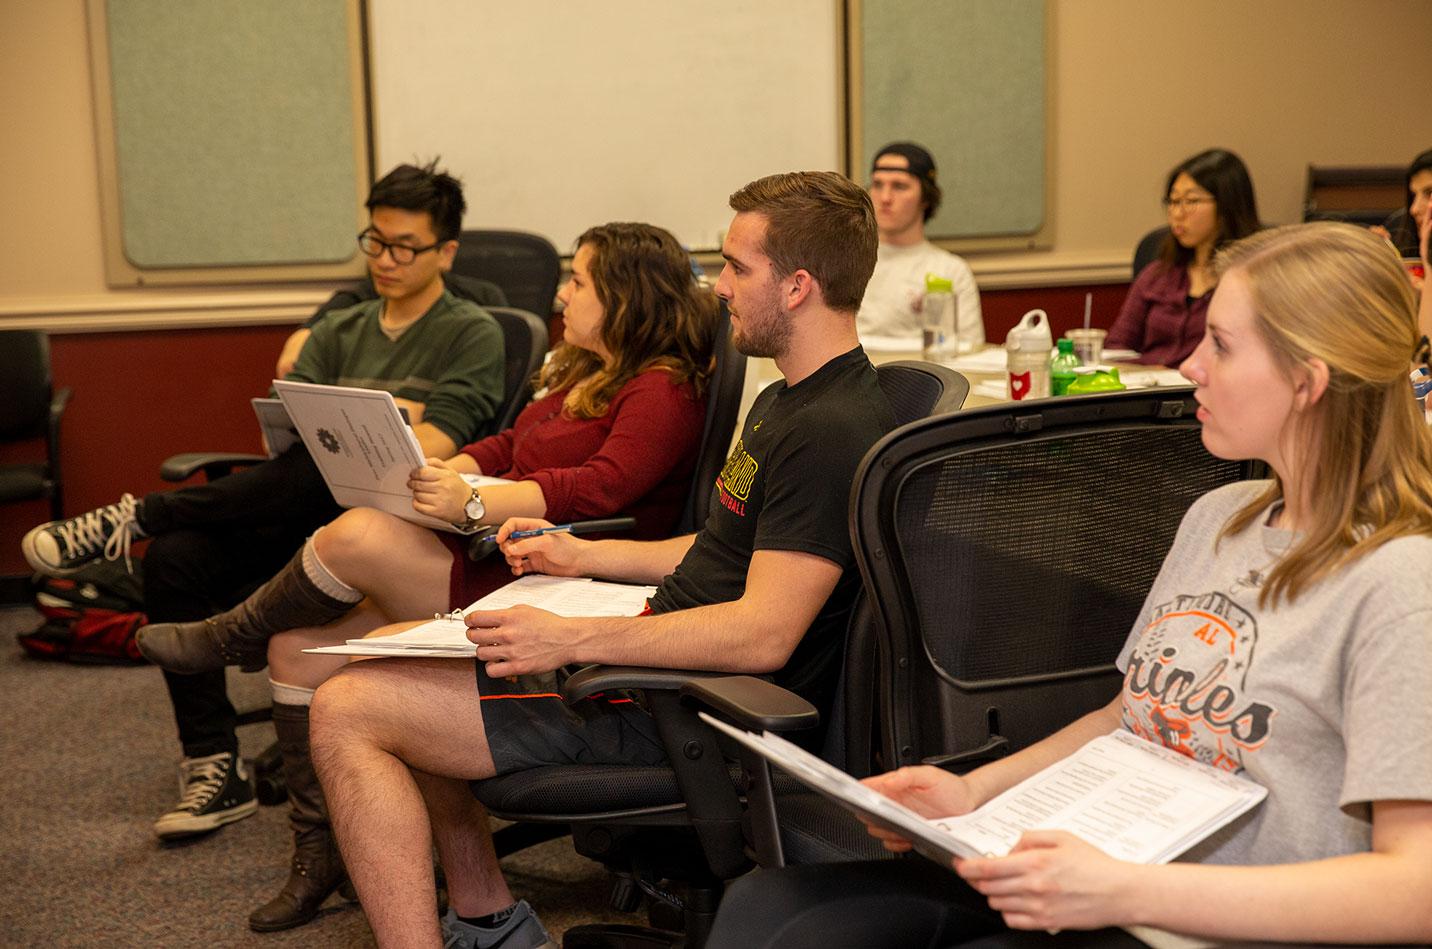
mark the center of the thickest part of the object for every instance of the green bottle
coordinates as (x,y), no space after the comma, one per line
(1061,368)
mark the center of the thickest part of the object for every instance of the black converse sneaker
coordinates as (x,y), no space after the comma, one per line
(214,790)
(59,548)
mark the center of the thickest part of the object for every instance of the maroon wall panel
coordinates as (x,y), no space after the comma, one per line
(141,397)
(137,399)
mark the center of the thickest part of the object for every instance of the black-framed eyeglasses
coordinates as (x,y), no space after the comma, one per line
(1186,204)
(373,245)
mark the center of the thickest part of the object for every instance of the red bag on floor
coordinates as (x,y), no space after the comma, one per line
(91,616)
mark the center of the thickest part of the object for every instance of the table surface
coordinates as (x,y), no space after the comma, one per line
(761,372)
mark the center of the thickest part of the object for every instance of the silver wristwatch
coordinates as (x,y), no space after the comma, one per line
(475,510)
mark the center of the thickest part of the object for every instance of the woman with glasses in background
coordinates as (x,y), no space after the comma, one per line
(1210,201)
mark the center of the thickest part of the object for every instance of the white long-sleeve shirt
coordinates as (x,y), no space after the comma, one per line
(892,297)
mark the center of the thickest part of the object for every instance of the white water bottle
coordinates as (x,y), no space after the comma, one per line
(1027,350)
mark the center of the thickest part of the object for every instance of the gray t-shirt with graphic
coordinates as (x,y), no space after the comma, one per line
(1323,701)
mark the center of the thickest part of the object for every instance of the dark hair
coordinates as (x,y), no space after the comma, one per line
(1401,224)
(654,316)
(411,188)
(1422,162)
(1223,175)
(922,166)
(820,222)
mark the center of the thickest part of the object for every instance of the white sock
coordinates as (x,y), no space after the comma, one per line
(323,578)
(285,694)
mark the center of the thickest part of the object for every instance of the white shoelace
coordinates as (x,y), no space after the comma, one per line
(200,779)
(82,535)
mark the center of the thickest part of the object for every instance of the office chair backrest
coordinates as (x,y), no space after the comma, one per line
(25,385)
(524,342)
(526,266)
(723,401)
(1148,248)
(1007,550)
(918,389)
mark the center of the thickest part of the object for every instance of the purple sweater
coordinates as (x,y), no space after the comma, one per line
(1158,320)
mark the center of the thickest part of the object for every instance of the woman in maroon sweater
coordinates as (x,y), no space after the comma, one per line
(1210,201)
(614,430)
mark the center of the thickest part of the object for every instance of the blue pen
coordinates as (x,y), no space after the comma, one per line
(578,527)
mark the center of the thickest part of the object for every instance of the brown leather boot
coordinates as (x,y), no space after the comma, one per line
(317,869)
(240,636)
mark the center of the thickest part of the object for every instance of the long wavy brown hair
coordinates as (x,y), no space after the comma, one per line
(655,315)
(1335,292)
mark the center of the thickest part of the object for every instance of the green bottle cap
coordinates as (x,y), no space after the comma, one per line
(1066,346)
(934,284)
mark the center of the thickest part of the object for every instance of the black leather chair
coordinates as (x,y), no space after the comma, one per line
(1148,248)
(30,408)
(676,833)
(526,266)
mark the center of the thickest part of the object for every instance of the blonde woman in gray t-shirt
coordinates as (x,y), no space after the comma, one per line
(1287,638)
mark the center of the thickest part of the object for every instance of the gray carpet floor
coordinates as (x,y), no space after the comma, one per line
(88,761)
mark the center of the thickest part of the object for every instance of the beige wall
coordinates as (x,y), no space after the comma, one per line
(1138,86)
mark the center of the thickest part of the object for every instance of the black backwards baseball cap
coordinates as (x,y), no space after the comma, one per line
(922,166)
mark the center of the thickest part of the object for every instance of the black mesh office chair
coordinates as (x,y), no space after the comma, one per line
(723,402)
(639,820)
(30,408)
(1005,552)
(524,343)
(526,266)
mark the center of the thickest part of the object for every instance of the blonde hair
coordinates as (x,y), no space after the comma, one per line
(1336,293)
(655,316)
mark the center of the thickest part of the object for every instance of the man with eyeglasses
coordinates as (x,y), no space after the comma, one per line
(442,359)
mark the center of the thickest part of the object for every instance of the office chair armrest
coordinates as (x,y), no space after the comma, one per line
(58,400)
(214,464)
(752,703)
(961,762)
(590,680)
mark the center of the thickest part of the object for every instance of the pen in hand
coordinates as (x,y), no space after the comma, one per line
(579,527)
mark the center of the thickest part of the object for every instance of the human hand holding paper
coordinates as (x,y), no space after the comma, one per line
(928,791)
(1052,880)
(439,491)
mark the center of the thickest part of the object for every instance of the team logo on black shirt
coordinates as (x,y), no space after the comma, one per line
(734,482)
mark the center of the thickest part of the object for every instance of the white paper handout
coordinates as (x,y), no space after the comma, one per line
(1129,797)
(446,636)
(361,444)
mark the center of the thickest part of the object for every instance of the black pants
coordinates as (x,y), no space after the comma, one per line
(892,903)
(213,545)
(896,903)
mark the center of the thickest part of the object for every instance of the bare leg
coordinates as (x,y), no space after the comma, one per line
(288,663)
(369,723)
(401,567)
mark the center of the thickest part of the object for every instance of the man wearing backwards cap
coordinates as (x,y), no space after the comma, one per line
(903,189)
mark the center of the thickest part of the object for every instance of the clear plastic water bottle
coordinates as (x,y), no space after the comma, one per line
(1027,351)
(938,320)
(1061,369)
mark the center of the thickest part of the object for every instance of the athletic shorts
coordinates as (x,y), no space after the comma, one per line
(528,725)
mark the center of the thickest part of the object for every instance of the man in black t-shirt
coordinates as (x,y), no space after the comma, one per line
(765,587)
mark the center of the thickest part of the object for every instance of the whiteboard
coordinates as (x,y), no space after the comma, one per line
(558,116)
